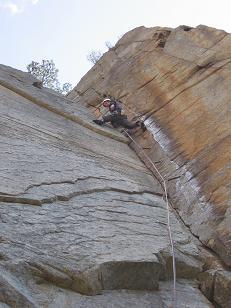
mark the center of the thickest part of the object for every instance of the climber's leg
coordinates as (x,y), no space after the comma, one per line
(127,124)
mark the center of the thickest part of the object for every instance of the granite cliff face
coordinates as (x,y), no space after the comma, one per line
(80,214)
(179,81)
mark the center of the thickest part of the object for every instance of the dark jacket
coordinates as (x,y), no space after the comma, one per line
(115,107)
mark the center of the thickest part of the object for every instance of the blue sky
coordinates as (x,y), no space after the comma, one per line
(67,30)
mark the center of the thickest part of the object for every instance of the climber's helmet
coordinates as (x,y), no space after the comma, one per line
(106,102)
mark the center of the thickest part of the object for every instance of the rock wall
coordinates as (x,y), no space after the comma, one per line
(81,215)
(178,81)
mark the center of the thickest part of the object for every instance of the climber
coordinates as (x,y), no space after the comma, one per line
(116,116)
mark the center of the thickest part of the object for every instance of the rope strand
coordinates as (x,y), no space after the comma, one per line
(166,199)
(168,216)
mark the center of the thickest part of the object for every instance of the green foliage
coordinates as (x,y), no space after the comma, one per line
(48,74)
(66,87)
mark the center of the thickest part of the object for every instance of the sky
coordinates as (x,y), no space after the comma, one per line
(66,31)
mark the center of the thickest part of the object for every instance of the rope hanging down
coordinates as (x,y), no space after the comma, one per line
(168,215)
(166,199)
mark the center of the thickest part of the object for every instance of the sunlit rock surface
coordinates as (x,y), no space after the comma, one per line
(80,214)
(179,81)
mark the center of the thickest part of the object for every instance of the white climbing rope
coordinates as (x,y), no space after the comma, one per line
(166,199)
(168,216)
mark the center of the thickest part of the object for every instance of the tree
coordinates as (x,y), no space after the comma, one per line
(66,87)
(47,73)
(109,45)
(94,56)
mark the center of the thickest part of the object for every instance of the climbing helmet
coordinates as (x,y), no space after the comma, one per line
(106,102)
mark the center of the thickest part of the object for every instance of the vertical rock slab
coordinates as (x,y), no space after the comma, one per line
(178,81)
(80,214)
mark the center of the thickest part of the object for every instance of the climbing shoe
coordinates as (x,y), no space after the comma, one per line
(99,122)
(143,127)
